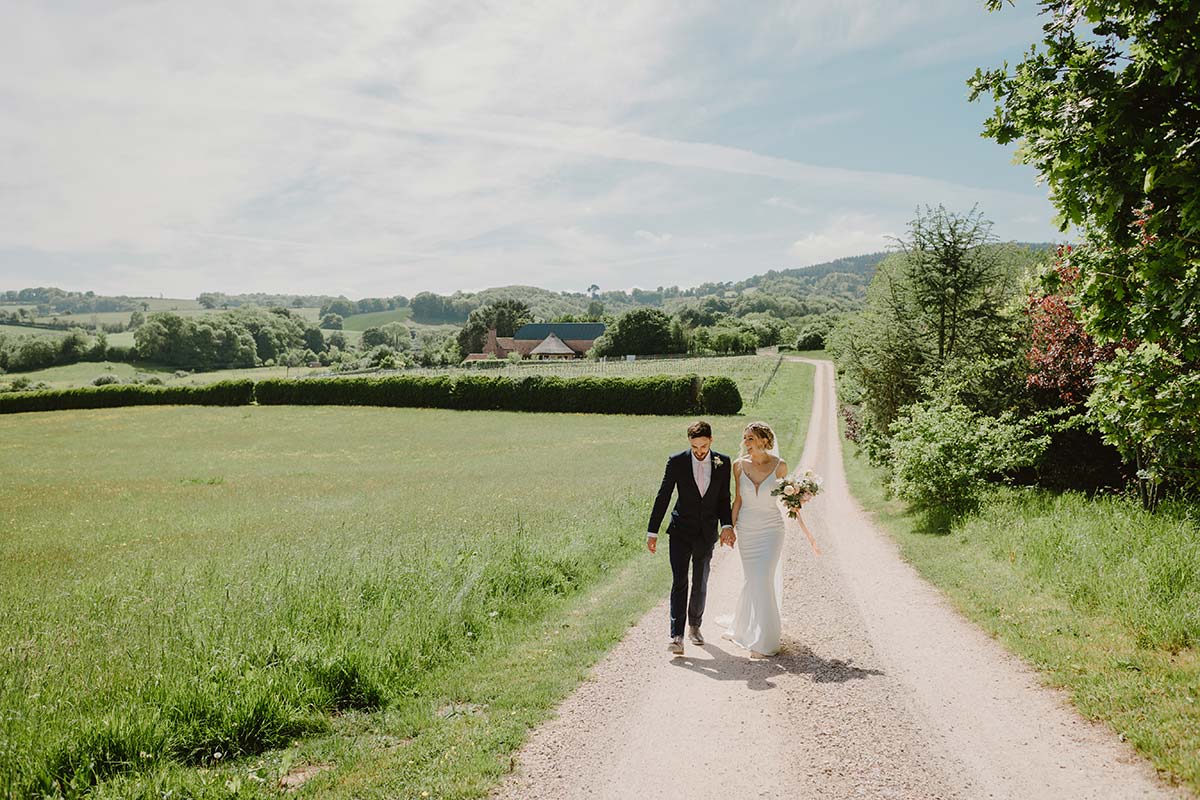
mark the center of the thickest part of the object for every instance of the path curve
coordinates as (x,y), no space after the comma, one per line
(882,691)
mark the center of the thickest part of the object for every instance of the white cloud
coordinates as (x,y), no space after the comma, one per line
(381,147)
(653,238)
(843,235)
(783,202)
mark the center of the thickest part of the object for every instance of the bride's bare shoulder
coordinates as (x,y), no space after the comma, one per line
(781,469)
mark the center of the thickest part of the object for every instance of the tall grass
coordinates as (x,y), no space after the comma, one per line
(1106,556)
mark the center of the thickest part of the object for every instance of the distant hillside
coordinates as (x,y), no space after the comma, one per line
(833,286)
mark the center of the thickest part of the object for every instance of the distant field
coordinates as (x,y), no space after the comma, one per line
(111,317)
(352,337)
(83,373)
(198,599)
(192,310)
(360,322)
(170,303)
(21,330)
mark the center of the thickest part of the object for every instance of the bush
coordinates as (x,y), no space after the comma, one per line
(811,339)
(668,395)
(719,395)
(652,395)
(223,393)
(942,454)
(105,380)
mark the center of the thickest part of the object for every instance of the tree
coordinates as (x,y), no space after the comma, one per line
(1062,356)
(949,275)
(593,290)
(332,322)
(136,320)
(341,307)
(314,340)
(506,316)
(372,337)
(207,299)
(643,331)
(337,339)
(1111,121)
(396,336)
(428,307)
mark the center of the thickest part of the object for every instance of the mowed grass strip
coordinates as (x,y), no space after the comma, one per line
(189,592)
(1101,596)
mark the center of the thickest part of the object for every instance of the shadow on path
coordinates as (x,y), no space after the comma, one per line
(793,659)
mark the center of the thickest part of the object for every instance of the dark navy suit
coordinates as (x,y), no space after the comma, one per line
(694,529)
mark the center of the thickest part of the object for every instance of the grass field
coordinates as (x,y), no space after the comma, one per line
(84,372)
(183,308)
(22,330)
(1102,597)
(360,322)
(199,600)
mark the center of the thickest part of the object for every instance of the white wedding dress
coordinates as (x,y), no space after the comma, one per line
(757,622)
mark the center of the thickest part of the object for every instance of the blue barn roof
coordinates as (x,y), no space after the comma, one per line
(563,330)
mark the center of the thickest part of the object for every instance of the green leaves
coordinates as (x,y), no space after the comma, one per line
(1111,122)
(943,452)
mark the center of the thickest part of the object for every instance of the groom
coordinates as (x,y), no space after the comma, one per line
(702,477)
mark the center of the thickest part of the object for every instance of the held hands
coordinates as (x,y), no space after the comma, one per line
(652,544)
(728,536)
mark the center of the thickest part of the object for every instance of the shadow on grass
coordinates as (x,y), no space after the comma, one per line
(936,521)
(793,659)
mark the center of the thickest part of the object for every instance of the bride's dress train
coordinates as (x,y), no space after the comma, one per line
(757,621)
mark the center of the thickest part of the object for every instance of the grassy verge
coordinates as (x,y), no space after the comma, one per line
(200,600)
(1101,597)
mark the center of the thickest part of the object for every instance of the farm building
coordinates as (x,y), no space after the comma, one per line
(543,340)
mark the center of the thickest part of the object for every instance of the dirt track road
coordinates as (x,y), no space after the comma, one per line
(882,691)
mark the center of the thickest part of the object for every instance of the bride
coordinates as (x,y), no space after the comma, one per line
(758,524)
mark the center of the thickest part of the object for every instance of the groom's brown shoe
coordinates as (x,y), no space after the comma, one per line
(676,645)
(695,636)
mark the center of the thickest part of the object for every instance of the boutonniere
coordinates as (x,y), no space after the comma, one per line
(717,461)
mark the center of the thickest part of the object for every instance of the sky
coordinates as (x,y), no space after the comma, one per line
(382,147)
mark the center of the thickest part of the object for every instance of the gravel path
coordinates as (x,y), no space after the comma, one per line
(882,691)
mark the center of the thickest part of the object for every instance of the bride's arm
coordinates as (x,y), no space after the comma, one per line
(781,470)
(737,494)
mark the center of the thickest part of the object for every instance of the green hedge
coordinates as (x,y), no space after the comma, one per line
(676,395)
(720,395)
(408,391)
(653,395)
(222,393)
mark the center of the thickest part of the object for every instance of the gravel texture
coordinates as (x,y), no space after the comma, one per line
(882,690)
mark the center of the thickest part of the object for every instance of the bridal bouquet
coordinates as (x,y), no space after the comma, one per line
(796,491)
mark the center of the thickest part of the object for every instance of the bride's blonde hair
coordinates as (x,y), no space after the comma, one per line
(763,431)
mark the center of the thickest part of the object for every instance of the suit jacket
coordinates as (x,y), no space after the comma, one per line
(695,517)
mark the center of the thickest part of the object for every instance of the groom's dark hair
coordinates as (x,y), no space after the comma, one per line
(699,428)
